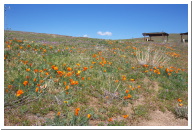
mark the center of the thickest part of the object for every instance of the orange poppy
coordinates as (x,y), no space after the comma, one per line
(37,89)
(116,81)
(77,111)
(64,83)
(28,69)
(166,70)
(69,68)
(59,72)
(85,68)
(40,71)
(125,116)
(110,119)
(58,113)
(19,92)
(179,100)
(129,96)
(69,74)
(145,65)
(138,86)
(55,68)
(67,87)
(36,70)
(25,83)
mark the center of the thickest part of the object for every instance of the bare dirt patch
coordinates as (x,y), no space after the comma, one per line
(158,118)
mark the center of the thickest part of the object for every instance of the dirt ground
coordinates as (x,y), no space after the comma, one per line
(158,118)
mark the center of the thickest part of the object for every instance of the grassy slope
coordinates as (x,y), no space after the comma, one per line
(99,82)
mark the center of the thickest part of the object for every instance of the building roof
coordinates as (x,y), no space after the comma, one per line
(184,33)
(156,34)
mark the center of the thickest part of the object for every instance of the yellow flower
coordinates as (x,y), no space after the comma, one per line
(88,115)
(78,73)
(180,104)
(132,79)
(65,101)
(124,77)
(130,86)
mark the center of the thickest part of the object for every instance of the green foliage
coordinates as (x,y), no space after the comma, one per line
(117,123)
(181,112)
(67,121)
(141,111)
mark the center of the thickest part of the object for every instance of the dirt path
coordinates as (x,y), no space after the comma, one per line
(158,118)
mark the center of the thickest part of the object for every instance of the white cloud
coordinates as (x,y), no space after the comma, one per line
(104,33)
(85,35)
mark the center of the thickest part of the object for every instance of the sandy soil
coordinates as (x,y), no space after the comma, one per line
(158,118)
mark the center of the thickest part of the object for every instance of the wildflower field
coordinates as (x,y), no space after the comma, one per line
(54,80)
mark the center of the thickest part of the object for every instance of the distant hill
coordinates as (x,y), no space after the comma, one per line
(48,38)
(44,37)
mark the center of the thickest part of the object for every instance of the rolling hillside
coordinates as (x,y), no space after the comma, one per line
(55,80)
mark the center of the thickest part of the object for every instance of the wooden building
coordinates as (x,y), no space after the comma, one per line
(162,34)
(182,38)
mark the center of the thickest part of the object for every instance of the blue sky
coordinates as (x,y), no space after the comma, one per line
(106,21)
